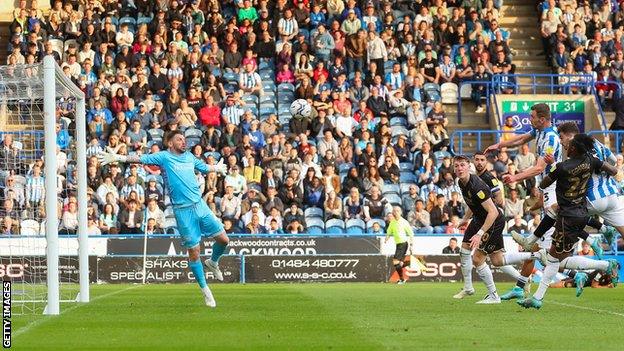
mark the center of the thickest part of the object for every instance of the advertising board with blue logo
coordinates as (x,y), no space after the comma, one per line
(561,111)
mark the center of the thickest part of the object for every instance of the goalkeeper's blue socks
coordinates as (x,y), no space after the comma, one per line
(197,268)
(217,251)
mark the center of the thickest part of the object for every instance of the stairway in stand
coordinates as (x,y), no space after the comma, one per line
(519,17)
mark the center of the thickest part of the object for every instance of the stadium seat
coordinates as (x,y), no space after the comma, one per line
(335,223)
(449,93)
(231,87)
(399,130)
(406,166)
(465,91)
(355,226)
(250,99)
(394,199)
(390,189)
(29,227)
(170,222)
(156,134)
(193,133)
(285,96)
(267,76)
(169,212)
(143,20)
(57,45)
(398,121)
(192,141)
(344,167)
(313,212)
(314,222)
(369,224)
(264,66)
(268,86)
(433,91)
(252,108)
(314,230)
(285,87)
(335,230)
(408,177)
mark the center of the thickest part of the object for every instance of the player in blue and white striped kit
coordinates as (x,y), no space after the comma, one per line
(547,143)
(603,195)
(193,216)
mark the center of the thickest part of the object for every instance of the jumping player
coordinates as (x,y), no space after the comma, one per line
(572,177)
(465,254)
(485,231)
(192,214)
(400,229)
(602,194)
(548,143)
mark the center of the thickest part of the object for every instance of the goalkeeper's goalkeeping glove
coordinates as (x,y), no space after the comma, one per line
(220,168)
(106,158)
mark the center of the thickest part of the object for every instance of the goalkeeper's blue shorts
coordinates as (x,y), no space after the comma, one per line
(194,221)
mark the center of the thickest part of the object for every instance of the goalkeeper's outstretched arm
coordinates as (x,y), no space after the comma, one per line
(156,159)
(108,158)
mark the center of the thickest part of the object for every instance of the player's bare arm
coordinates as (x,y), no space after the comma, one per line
(609,169)
(514,141)
(467,217)
(530,172)
(546,182)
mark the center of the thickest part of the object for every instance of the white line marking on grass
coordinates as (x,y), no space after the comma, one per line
(38,322)
(587,308)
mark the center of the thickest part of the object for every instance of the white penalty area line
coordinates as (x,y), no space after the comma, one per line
(38,322)
(587,308)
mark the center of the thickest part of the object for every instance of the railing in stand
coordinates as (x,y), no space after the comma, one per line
(458,147)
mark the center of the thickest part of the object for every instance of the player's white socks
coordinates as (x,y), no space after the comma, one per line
(517,257)
(511,271)
(582,263)
(550,271)
(485,273)
(465,257)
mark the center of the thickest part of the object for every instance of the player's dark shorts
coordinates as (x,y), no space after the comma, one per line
(567,231)
(492,240)
(401,250)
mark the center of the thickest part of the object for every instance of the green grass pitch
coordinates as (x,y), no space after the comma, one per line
(354,316)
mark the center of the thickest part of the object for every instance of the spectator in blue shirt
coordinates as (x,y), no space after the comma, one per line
(62,137)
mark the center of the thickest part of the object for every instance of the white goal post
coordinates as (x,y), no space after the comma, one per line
(44,272)
(53,76)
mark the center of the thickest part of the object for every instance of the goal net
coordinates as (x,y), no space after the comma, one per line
(43,243)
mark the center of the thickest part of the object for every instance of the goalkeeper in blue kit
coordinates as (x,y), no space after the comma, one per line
(192,214)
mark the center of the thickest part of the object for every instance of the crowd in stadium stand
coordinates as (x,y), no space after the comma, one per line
(226,72)
(584,37)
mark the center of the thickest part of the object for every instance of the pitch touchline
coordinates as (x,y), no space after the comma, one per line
(587,308)
(36,323)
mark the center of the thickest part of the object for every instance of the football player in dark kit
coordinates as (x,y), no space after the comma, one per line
(572,176)
(465,254)
(485,231)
